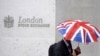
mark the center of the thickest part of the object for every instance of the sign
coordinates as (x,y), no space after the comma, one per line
(28,18)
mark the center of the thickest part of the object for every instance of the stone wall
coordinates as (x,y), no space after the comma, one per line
(27,27)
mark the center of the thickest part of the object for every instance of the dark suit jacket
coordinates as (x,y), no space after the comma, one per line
(60,49)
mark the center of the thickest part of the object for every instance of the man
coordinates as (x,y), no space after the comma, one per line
(63,48)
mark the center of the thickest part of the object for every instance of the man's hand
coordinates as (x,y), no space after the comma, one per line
(78,50)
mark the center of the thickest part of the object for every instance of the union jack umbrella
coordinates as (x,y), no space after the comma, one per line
(79,31)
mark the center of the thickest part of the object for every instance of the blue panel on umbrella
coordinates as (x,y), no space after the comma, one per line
(96,34)
(87,38)
(78,37)
(63,30)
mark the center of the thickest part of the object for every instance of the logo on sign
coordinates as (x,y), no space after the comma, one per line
(8,22)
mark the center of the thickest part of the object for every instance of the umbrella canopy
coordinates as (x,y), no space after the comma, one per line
(79,31)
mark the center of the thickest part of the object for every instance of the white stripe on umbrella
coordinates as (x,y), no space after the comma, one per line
(82,33)
(96,31)
(71,25)
(89,35)
(74,36)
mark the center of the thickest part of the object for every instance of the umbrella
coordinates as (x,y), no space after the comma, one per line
(79,31)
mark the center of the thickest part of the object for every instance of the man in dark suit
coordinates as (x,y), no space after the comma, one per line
(63,48)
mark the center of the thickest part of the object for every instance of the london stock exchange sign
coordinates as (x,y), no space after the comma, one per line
(24,22)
